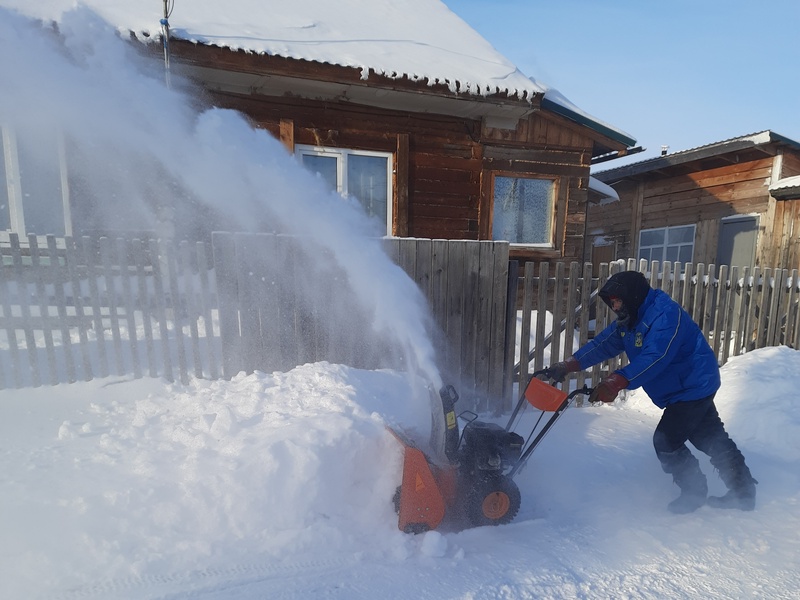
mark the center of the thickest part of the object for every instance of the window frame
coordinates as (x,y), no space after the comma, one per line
(15,186)
(665,245)
(341,155)
(554,203)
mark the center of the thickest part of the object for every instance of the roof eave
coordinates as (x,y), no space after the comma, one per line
(687,156)
(584,120)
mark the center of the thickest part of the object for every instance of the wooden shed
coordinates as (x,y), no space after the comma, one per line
(735,202)
(408,109)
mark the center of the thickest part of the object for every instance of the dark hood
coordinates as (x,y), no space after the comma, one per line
(632,288)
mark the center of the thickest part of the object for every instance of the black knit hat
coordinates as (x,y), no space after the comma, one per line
(631,287)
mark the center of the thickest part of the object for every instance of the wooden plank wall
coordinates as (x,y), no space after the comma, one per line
(701,198)
(791,165)
(446,195)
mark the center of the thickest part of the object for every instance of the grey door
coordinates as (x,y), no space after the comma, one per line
(737,247)
(737,242)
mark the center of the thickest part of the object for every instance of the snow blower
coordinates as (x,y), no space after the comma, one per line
(475,482)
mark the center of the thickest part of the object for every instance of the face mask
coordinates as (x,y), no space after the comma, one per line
(623,316)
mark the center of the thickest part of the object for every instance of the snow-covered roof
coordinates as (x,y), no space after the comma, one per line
(422,40)
(788,187)
(606,192)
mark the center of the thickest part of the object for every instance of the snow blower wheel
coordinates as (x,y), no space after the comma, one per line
(493,501)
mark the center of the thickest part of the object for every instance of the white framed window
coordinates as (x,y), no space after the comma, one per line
(523,210)
(34,188)
(360,174)
(667,244)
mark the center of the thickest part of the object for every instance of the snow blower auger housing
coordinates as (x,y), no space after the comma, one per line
(476,481)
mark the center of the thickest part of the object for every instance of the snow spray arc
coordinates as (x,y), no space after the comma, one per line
(141,156)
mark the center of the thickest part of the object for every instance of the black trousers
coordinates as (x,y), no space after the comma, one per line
(697,422)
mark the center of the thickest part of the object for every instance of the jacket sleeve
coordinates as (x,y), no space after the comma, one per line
(660,348)
(607,344)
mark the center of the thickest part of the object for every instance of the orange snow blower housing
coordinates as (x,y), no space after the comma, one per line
(476,482)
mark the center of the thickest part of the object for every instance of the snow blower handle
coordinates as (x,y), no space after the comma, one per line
(586,390)
(546,372)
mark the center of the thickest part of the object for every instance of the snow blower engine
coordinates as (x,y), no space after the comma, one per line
(475,484)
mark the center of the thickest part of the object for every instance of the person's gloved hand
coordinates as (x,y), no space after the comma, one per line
(608,388)
(559,371)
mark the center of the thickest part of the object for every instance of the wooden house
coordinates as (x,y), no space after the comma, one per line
(437,134)
(735,202)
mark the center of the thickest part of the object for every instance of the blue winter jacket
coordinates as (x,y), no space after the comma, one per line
(669,356)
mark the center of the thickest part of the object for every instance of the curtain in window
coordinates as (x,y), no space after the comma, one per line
(523,210)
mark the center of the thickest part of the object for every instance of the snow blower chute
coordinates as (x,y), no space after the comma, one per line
(475,482)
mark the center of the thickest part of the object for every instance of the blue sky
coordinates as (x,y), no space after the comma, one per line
(682,73)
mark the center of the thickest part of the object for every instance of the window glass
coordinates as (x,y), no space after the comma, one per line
(523,210)
(667,243)
(680,235)
(652,237)
(362,175)
(5,209)
(324,166)
(40,178)
(367,180)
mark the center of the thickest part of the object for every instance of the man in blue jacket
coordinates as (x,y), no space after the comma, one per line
(670,358)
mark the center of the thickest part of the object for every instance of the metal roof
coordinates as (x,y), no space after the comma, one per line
(752,140)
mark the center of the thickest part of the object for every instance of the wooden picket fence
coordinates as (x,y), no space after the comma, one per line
(314,314)
(79,308)
(738,310)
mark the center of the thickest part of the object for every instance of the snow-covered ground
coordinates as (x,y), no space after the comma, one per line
(280,486)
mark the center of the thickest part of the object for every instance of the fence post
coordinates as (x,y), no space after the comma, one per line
(541,314)
(59,278)
(569,323)
(11,330)
(776,310)
(510,334)
(224,251)
(721,307)
(764,296)
(708,303)
(23,297)
(740,311)
(791,311)
(558,302)
(161,310)
(583,319)
(36,271)
(71,258)
(496,329)
(728,322)
(525,326)
(748,340)
(206,293)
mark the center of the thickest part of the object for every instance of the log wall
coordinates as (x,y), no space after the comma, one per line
(703,198)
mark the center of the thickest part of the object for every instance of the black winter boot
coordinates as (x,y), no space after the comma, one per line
(694,489)
(687,475)
(736,475)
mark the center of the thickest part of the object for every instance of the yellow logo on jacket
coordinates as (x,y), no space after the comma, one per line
(639,341)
